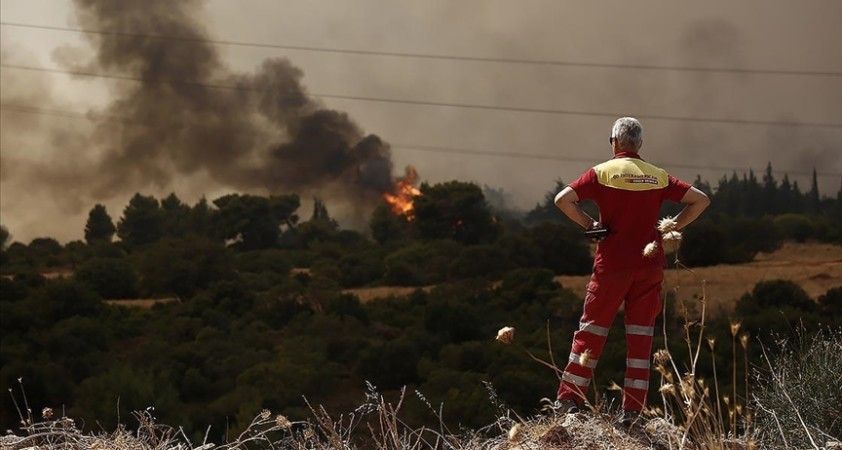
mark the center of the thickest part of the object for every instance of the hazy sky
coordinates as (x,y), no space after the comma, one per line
(761,34)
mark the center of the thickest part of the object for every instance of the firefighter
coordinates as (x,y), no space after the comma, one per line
(628,192)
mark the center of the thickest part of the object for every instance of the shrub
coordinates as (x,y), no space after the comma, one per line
(561,248)
(109,277)
(479,261)
(799,388)
(259,261)
(794,226)
(183,266)
(420,263)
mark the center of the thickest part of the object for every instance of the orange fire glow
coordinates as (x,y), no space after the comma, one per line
(402,197)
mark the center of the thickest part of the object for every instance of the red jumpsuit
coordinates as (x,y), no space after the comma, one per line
(629,193)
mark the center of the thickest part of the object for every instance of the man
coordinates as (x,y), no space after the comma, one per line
(628,192)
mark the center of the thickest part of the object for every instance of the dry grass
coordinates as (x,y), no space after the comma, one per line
(373,293)
(141,303)
(815,267)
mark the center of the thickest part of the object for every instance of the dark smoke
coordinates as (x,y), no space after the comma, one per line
(268,133)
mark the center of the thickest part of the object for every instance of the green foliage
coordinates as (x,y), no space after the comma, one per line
(109,277)
(454,210)
(142,222)
(99,227)
(777,305)
(254,220)
(486,261)
(183,266)
(561,248)
(386,226)
(830,303)
(420,263)
(797,227)
(797,387)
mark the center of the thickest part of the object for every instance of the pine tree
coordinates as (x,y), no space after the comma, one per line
(100,227)
(142,222)
(770,191)
(813,199)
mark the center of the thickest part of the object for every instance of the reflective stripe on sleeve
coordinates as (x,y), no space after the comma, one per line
(576,358)
(636,384)
(593,329)
(575,379)
(640,329)
(637,363)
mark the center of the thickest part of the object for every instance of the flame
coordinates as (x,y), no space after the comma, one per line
(402,197)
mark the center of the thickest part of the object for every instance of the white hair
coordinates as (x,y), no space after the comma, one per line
(627,131)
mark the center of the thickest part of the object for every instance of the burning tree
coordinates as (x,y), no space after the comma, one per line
(401,199)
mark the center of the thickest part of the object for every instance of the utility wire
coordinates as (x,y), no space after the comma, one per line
(424,148)
(442,104)
(445,57)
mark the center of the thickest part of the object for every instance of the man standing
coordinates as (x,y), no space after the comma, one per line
(628,192)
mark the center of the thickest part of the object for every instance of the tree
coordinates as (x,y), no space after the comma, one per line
(454,210)
(4,236)
(200,218)
(561,248)
(176,216)
(111,278)
(99,227)
(254,220)
(142,222)
(4,239)
(813,200)
(387,226)
(183,266)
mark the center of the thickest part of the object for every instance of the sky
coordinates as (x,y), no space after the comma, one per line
(762,34)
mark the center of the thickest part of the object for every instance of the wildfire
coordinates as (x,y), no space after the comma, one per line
(402,197)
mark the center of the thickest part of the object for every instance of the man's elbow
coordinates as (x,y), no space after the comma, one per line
(702,202)
(565,198)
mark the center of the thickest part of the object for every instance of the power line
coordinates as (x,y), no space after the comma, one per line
(539,156)
(445,57)
(443,104)
(428,148)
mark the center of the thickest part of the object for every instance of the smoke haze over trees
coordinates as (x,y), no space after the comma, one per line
(214,141)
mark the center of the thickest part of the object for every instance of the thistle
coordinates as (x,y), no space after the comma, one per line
(506,335)
(650,249)
(667,224)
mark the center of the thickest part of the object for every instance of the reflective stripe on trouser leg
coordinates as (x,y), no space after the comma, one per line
(605,294)
(640,329)
(636,384)
(592,328)
(635,363)
(575,379)
(643,304)
(588,361)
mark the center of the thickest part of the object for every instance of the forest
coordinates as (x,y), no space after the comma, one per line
(262,319)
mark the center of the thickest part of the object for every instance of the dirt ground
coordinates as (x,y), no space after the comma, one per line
(816,267)
(142,303)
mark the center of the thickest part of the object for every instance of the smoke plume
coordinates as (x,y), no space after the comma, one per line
(183,112)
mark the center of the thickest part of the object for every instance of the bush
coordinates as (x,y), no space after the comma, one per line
(420,264)
(111,278)
(801,382)
(259,261)
(794,226)
(561,248)
(831,303)
(703,244)
(479,261)
(183,266)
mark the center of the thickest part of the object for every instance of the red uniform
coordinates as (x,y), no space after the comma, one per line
(629,193)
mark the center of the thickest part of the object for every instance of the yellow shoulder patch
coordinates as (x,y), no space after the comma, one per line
(631,174)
